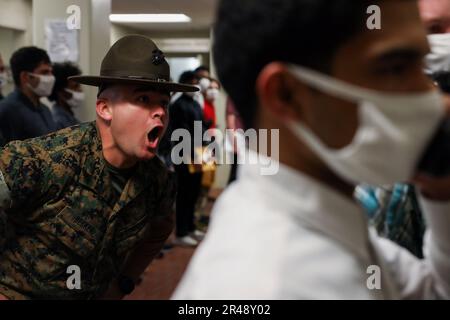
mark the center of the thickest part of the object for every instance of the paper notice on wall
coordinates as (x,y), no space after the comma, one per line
(61,42)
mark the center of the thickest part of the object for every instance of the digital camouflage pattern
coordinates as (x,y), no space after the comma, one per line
(53,193)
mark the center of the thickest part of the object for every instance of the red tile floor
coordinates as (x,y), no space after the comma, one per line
(162,276)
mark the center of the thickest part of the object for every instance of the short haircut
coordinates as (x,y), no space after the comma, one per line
(62,71)
(201,68)
(26,59)
(188,77)
(250,34)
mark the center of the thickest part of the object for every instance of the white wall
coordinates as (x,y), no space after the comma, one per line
(15,30)
(8,44)
(15,14)
(100,33)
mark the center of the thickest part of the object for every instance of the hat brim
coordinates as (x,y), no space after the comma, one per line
(97,81)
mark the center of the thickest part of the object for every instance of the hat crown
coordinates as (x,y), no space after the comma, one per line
(135,56)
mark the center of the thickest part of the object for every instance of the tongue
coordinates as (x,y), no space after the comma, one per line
(153,143)
(153,138)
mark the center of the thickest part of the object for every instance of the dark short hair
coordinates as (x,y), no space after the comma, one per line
(252,33)
(62,71)
(187,77)
(201,68)
(26,59)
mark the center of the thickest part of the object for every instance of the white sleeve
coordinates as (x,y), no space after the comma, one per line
(428,278)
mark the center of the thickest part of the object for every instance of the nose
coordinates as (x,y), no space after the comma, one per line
(159,112)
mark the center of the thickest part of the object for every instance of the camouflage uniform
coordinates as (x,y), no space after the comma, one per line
(54,192)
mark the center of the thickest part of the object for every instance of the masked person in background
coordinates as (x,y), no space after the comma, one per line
(210,91)
(66,95)
(354,109)
(394,210)
(233,122)
(202,72)
(184,112)
(203,75)
(22,115)
(210,96)
(436,16)
(203,84)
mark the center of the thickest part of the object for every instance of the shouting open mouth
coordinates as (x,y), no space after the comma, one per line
(154,136)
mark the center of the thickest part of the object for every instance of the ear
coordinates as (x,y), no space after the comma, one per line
(103,109)
(280,93)
(24,77)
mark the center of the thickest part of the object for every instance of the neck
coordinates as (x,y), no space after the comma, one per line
(62,104)
(317,171)
(111,151)
(30,95)
(115,157)
(294,154)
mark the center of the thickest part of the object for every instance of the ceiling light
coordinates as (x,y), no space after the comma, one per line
(150,18)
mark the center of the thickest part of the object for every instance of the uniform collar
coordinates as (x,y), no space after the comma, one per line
(311,204)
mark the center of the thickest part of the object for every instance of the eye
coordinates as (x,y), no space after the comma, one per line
(165,104)
(397,68)
(143,99)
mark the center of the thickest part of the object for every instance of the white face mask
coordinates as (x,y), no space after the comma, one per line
(3,79)
(204,84)
(212,94)
(194,95)
(393,131)
(77,98)
(439,58)
(45,85)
